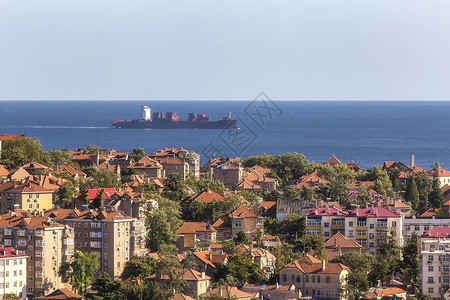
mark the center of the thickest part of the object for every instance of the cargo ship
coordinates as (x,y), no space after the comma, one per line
(170,120)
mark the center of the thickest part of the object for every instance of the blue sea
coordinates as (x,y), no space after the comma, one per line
(367,133)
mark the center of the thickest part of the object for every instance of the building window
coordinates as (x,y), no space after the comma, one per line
(430,290)
(327,279)
(350,224)
(430,269)
(326,234)
(328,293)
(430,257)
(306,278)
(326,224)
(284,277)
(298,279)
(416,228)
(237,223)
(430,279)
(394,224)
(372,226)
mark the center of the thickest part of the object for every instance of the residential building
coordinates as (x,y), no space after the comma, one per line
(420,225)
(435,263)
(208,196)
(149,167)
(370,226)
(62,294)
(228,292)
(273,292)
(298,206)
(386,294)
(315,278)
(186,156)
(198,282)
(113,235)
(13,272)
(194,235)
(174,166)
(312,181)
(244,220)
(27,196)
(339,245)
(46,243)
(334,161)
(229,173)
(444,176)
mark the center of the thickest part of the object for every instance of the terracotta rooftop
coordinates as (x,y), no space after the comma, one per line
(340,241)
(189,274)
(242,212)
(181,297)
(207,196)
(326,211)
(12,219)
(75,214)
(439,232)
(227,291)
(194,227)
(385,292)
(62,293)
(311,265)
(145,163)
(9,252)
(373,212)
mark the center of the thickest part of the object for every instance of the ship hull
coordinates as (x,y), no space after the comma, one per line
(221,124)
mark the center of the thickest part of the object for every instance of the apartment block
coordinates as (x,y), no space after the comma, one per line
(370,227)
(113,235)
(315,278)
(27,195)
(419,225)
(46,243)
(13,272)
(435,263)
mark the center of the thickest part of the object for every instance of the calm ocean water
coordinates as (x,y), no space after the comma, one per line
(365,132)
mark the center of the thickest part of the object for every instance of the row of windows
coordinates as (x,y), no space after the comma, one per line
(314,278)
(13,273)
(12,262)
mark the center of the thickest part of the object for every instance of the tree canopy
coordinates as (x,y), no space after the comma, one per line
(80,271)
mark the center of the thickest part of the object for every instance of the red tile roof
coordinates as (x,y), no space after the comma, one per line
(62,293)
(9,252)
(441,172)
(385,292)
(373,212)
(207,196)
(439,232)
(195,227)
(181,297)
(340,241)
(311,265)
(242,212)
(228,292)
(326,211)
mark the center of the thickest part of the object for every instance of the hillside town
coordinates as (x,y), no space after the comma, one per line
(98,224)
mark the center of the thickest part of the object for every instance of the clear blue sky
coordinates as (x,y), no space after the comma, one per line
(215,49)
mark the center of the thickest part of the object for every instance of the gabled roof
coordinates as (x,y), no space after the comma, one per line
(188,274)
(9,252)
(3,171)
(311,265)
(440,232)
(195,227)
(385,292)
(181,297)
(26,187)
(326,211)
(221,224)
(247,184)
(204,256)
(62,293)
(429,213)
(373,212)
(228,292)
(333,160)
(207,196)
(441,172)
(12,219)
(145,163)
(340,241)
(242,212)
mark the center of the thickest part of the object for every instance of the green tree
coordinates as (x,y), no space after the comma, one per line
(57,158)
(241,238)
(80,271)
(242,269)
(412,193)
(23,150)
(340,177)
(356,262)
(383,183)
(98,200)
(292,227)
(292,192)
(104,179)
(92,149)
(411,258)
(436,197)
(320,252)
(107,287)
(138,267)
(137,154)
(175,188)
(355,287)
(65,194)
(162,225)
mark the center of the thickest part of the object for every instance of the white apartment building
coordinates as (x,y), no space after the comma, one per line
(435,263)
(13,272)
(419,225)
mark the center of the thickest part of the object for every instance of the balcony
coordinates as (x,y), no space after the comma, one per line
(361,224)
(382,224)
(313,223)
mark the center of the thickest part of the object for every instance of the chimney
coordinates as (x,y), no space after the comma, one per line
(412,162)
(220,292)
(203,274)
(323,265)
